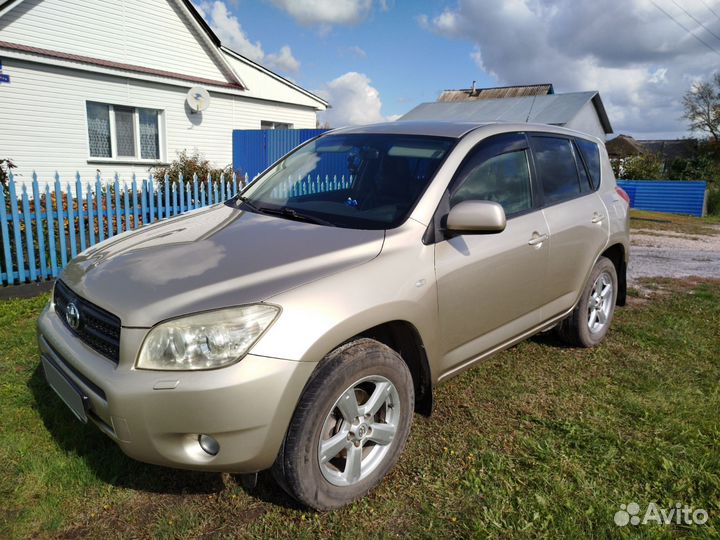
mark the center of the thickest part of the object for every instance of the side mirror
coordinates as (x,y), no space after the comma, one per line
(476,217)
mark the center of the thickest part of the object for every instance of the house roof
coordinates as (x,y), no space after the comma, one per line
(220,52)
(555,109)
(500,92)
(624,146)
(115,65)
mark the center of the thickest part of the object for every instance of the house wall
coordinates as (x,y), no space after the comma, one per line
(43,120)
(587,121)
(150,33)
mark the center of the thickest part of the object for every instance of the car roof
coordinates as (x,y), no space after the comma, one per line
(456,130)
(416,127)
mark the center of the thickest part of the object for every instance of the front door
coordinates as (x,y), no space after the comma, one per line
(490,285)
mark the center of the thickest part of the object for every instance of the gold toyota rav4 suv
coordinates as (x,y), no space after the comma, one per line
(301,324)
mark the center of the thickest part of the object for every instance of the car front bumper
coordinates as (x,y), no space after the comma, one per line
(157,416)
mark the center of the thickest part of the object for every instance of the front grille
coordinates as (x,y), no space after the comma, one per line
(97,328)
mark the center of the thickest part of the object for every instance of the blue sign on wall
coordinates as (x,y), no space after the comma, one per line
(4,78)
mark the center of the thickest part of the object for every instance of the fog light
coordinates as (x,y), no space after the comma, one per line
(209,444)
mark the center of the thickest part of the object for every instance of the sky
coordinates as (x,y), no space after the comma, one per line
(375,60)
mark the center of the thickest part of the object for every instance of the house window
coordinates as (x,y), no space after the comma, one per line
(116,131)
(265,124)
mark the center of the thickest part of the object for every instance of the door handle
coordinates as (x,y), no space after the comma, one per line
(537,239)
(598,217)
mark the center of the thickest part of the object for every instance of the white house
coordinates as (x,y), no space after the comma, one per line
(88,85)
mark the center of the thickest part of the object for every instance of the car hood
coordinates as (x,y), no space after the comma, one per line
(211,258)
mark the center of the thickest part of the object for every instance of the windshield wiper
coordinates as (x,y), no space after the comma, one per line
(291,213)
(244,200)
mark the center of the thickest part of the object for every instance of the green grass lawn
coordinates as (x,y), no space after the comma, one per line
(539,441)
(677,223)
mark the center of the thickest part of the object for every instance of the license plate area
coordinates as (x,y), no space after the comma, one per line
(66,390)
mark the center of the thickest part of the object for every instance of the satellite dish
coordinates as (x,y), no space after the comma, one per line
(198,99)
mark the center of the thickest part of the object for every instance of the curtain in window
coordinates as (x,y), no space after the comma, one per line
(98,120)
(125,131)
(149,134)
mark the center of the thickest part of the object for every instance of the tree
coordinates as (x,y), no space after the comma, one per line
(702,106)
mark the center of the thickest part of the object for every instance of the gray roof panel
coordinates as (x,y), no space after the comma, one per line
(556,109)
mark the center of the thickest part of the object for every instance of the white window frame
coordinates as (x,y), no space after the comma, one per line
(275,124)
(114,158)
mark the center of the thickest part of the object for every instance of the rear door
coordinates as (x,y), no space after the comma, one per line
(576,216)
(490,286)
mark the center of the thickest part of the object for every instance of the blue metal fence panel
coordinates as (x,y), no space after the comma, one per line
(671,196)
(254,150)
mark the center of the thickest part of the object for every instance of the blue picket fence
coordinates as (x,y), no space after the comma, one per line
(42,229)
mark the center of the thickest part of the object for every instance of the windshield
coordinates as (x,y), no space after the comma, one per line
(359,181)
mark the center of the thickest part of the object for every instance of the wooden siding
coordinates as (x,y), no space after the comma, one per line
(151,33)
(44,119)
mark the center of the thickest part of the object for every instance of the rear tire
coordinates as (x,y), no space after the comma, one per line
(589,322)
(349,428)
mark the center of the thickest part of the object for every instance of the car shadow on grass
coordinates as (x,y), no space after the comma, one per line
(110,465)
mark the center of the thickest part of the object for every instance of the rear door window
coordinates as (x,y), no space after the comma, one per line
(555,164)
(591,155)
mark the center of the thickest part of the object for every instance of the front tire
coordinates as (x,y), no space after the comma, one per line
(590,321)
(350,426)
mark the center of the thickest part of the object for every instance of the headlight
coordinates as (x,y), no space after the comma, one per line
(206,340)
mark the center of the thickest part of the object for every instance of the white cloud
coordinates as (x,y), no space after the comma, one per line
(283,60)
(228,28)
(327,12)
(354,101)
(356,51)
(639,59)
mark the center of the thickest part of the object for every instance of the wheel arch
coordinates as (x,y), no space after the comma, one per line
(617,255)
(404,338)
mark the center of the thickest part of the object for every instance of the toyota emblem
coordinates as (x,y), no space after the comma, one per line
(72,316)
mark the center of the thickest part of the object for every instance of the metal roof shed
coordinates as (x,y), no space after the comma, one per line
(582,111)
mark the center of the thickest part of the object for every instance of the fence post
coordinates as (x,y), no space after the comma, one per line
(188,206)
(181,189)
(222,187)
(174,199)
(126,204)
(144,202)
(234,183)
(136,225)
(51,230)
(29,241)
(5,236)
(118,210)
(100,210)
(109,211)
(60,220)
(80,211)
(151,199)
(91,215)
(195,191)
(19,258)
(71,222)
(166,185)
(38,225)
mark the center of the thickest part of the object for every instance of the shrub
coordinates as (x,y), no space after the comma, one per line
(188,165)
(643,167)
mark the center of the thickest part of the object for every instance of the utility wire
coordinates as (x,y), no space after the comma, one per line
(681,25)
(697,21)
(711,9)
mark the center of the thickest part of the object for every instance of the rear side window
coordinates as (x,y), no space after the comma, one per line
(591,154)
(556,167)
